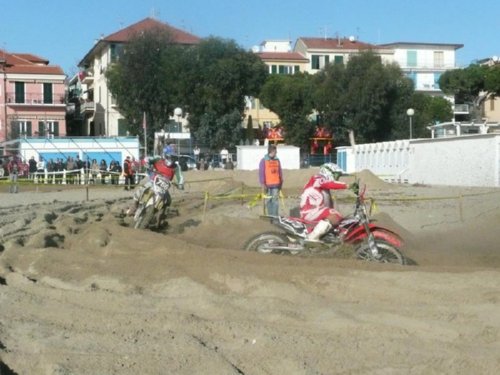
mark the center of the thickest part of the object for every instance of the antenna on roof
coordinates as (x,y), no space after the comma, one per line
(155,13)
(324,31)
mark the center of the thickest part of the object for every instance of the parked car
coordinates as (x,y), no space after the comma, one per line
(187,162)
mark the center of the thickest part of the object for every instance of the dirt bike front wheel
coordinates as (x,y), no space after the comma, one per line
(387,253)
(266,243)
(146,218)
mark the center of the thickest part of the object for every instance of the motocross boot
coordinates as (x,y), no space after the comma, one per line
(319,230)
(133,208)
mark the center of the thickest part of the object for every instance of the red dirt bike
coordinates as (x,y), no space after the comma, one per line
(371,242)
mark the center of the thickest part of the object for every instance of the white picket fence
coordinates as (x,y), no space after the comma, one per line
(468,160)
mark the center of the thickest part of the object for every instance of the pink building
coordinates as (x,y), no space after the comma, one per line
(32,97)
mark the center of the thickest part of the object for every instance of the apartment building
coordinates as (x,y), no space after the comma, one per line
(32,97)
(424,63)
(97,109)
(280,59)
(323,51)
(309,55)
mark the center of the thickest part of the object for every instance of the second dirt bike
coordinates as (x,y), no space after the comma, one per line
(153,204)
(371,242)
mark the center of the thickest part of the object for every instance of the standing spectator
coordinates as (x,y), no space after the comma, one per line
(314,147)
(70,170)
(86,169)
(50,170)
(79,167)
(94,170)
(103,169)
(196,153)
(136,167)
(128,172)
(115,170)
(58,168)
(13,169)
(271,179)
(327,149)
(32,167)
(224,154)
(40,167)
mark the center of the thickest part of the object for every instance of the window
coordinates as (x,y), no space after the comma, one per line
(46,128)
(338,60)
(19,87)
(438,59)
(47,93)
(115,52)
(20,128)
(492,103)
(319,61)
(123,127)
(436,80)
(286,69)
(411,58)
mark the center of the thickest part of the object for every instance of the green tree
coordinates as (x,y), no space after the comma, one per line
(429,110)
(216,76)
(467,85)
(291,98)
(365,96)
(138,81)
(249,132)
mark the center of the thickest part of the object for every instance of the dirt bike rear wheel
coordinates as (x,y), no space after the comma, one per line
(146,218)
(264,242)
(387,253)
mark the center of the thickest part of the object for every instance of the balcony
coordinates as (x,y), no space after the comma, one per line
(57,100)
(87,107)
(86,76)
(461,109)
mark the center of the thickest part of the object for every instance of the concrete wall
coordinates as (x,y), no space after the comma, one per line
(248,157)
(472,160)
(469,160)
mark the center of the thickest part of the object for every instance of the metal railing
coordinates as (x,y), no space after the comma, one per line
(35,99)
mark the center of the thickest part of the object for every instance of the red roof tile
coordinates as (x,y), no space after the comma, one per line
(336,43)
(33,58)
(179,36)
(26,63)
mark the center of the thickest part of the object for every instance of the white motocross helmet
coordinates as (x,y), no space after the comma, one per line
(330,171)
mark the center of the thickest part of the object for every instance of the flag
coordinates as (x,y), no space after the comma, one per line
(144,121)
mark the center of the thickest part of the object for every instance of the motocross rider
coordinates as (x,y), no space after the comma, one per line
(316,203)
(165,166)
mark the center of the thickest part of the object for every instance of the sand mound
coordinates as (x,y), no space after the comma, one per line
(81,292)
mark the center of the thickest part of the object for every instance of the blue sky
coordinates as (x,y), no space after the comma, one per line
(63,31)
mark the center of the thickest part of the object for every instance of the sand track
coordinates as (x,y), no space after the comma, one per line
(83,293)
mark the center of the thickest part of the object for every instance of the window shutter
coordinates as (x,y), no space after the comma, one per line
(19,86)
(56,128)
(314,62)
(411,58)
(28,128)
(41,128)
(47,93)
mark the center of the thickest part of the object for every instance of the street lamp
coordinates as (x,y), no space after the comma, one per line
(410,112)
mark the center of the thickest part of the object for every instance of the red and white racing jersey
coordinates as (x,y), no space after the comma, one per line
(315,202)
